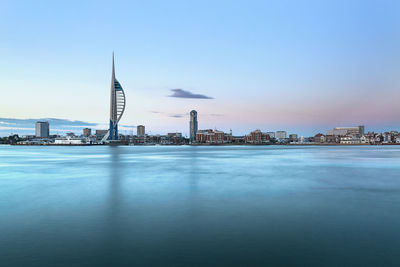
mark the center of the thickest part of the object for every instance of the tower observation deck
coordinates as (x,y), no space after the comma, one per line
(117,107)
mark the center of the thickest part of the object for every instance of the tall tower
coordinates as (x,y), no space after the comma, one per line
(117,106)
(193,125)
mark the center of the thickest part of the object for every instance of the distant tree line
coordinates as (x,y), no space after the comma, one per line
(12,139)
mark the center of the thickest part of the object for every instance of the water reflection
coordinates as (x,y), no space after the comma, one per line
(200,206)
(114,208)
(194,169)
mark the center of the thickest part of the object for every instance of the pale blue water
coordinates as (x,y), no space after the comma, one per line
(200,206)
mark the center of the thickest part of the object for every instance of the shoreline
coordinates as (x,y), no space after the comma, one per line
(284,145)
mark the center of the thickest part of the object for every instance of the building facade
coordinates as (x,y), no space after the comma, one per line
(210,136)
(293,137)
(271,134)
(343,131)
(257,137)
(42,129)
(140,130)
(193,125)
(281,135)
(87,132)
(319,138)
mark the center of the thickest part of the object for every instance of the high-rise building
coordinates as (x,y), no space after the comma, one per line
(193,125)
(280,135)
(42,129)
(140,130)
(117,106)
(87,132)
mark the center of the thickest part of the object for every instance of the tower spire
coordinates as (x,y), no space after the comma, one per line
(117,105)
(113,68)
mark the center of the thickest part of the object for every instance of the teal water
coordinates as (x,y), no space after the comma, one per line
(200,206)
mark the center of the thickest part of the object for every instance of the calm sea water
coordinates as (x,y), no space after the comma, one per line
(200,206)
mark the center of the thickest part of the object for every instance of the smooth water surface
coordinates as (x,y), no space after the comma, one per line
(200,206)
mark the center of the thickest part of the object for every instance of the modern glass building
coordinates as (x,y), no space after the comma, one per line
(193,125)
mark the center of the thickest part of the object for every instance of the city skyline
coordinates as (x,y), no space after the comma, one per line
(275,68)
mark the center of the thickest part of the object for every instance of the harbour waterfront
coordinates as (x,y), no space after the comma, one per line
(199,206)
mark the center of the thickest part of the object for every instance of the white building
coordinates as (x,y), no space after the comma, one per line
(342,131)
(349,140)
(364,140)
(281,135)
(69,140)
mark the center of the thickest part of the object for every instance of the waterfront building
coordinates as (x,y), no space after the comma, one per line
(117,106)
(364,140)
(228,137)
(293,137)
(342,131)
(387,137)
(100,134)
(349,140)
(280,135)
(332,139)
(257,137)
(87,132)
(271,134)
(42,129)
(193,125)
(178,135)
(210,136)
(319,138)
(140,129)
(175,138)
(68,140)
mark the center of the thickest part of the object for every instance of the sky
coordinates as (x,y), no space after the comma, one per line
(301,66)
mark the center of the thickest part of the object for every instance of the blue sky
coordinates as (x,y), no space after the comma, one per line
(303,66)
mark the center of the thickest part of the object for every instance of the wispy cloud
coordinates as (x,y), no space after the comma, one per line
(180,93)
(177,115)
(173,115)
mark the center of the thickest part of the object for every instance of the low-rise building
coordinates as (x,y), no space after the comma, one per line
(257,137)
(271,134)
(87,132)
(319,138)
(332,139)
(293,137)
(349,140)
(68,140)
(101,133)
(364,140)
(210,136)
